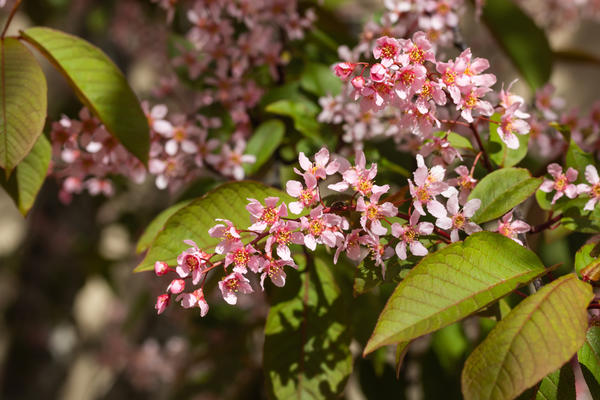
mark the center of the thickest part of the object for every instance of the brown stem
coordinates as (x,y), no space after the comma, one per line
(486,160)
(542,227)
(10,17)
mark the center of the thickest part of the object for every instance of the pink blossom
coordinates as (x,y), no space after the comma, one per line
(373,212)
(320,168)
(409,80)
(378,73)
(546,103)
(265,216)
(409,236)
(350,245)
(162,302)
(229,234)
(510,123)
(322,228)
(471,101)
(344,69)
(427,185)
(274,270)
(176,286)
(306,197)
(418,50)
(511,229)
(196,298)
(242,257)
(464,181)
(283,233)
(561,183)
(233,284)
(591,175)
(457,219)
(192,261)
(387,49)
(360,178)
(377,250)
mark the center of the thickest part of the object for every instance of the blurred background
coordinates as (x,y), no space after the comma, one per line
(77,324)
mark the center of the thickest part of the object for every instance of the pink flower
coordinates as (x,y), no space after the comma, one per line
(591,175)
(162,302)
(274,270)
(471,101)
(511,229)
(378,251)
(176,286)
(430,90)
(161,268)
(358,177)
(378,73)
(344,69)
(322,228)
(192,261)
(265,216)
(307,197)
(228,233)
(561,183)
(409,80)
(409,236)
(510,122)
(283,233)
(351,245)
(232,284)
(242,258)
(320,168)
(387,49)
(196,298)
(373,212)
(418,50)
(546,103)
(464,181)
(428,184)
(458,220)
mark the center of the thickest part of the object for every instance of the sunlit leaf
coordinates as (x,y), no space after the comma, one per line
(589,358)
(263,143)
(452,283)
(536,338)
(156,225)
(23,102)
(99,85)
(24,185)
(501,191)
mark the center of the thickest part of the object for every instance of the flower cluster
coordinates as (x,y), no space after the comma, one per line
(230,41)
(367,225)
(408,94)
(86,155)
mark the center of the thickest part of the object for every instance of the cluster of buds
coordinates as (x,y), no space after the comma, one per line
(367,225)
(86,155)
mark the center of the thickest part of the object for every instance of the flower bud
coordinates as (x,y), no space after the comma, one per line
(161,268)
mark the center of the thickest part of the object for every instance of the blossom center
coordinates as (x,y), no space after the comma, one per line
(458,221)
(561,183)
(241,257)
(316,227)
(417,55)
(269,215)
(422,194)
(191,262)
(410,234)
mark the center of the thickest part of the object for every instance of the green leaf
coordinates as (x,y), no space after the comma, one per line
(319,80)
(559,385)
(453,283)
(23,102)
(589,358)
(401,350)
(577,219)
(24,186)
(156,225)
(499,152)
(303,113)
(578,159)
(586,255)
(263,143)
(98,83)
(525,44)
(307,340)
(501,191)
(193,221)
(536,338)
(456,140)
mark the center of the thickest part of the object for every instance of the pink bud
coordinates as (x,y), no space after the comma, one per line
(162,302)
(176,286)
(358,82)
(378,73)
(161,268)
(344,69)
